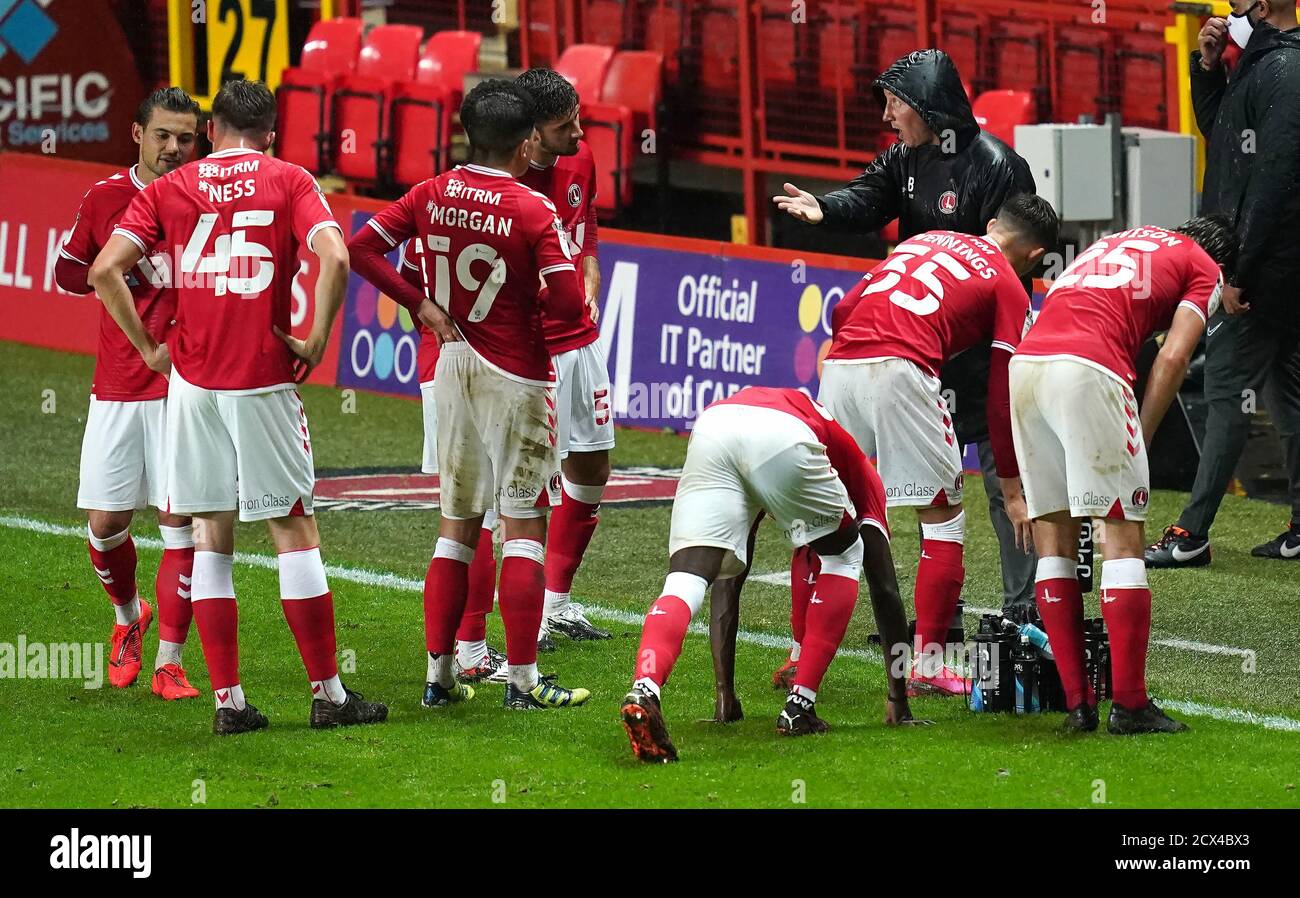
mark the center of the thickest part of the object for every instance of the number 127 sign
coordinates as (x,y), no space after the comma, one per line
(247,39)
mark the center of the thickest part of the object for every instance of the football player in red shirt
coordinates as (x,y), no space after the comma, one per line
(122,455)
(486,245)
(1082,440)
(563,170)
(476,661)
(773,451)
(237,437)
(936,295)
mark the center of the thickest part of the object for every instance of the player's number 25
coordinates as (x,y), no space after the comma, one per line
(925,273)
(1122,262)
(253,268)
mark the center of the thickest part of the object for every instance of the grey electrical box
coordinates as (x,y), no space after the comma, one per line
(1161,174)
(1072,167)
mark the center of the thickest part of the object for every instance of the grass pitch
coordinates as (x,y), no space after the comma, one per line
(1226,666)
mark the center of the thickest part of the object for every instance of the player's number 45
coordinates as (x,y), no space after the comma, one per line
(253,268)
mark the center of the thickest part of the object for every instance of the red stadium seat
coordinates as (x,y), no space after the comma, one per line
(361,127)
(585,66)
(1142,70)
(611,137)
(422,110)
(999,111)
(603,22)
(629,103)
(635,80)
(663,33)
(303,98)
(1082,57)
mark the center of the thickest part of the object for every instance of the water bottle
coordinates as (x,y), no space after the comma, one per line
(1037,638)
(1024,666)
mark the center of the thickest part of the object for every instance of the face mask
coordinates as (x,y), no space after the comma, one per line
(1240,27)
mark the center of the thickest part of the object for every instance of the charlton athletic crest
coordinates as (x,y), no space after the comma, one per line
(1140,498)
(575,195)
(948,202)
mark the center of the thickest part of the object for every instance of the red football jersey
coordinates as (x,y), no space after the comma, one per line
(234,222)
(1119,292)
(857,474)
(570,185)
(484,240)
(937,293)
(426,356)
(120,374)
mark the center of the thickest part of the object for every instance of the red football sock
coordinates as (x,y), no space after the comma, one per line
(446,588)
(661,638)
(482,590)
(309,608)
(1128,619)
(172,587)
(521,598)
(570,532)
(829,611)
(115,565)
(217,617)
(939,577)
(804,566)
(1060,603)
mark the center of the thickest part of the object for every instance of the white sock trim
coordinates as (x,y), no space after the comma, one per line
(585,493)
(1055,567)
(524,548)
(953,531)
(522,676)
(805,692)
(1124,573)
(449,548)
(213,576)
(302,575)
(687,587)
(846,564)
(177,537)
(108,543)
(490,518)
(794,651)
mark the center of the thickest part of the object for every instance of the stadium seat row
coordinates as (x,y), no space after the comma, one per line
(377,108)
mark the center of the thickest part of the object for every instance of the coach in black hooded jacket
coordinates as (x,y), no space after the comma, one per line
(957,184)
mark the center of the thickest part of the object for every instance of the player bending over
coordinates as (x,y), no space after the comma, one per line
(775,451)
(563,170)
(237,438)
(936,295)
(123,461)
(1081,439)
(483,243)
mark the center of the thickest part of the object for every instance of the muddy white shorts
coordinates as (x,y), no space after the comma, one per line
(245,451)
(586,420)
(429,463)
(496,439)
(1078,440)
(897,412)
(743,459)
(123,456)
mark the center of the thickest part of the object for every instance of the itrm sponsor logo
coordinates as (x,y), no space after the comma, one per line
(91,852)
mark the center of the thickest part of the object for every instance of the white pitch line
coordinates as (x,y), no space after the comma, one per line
(617,615)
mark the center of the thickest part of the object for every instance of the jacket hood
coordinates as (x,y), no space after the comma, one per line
(927,80)
(1265,39)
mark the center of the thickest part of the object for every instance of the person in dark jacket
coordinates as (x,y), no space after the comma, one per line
(945,173)
(1251,122)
